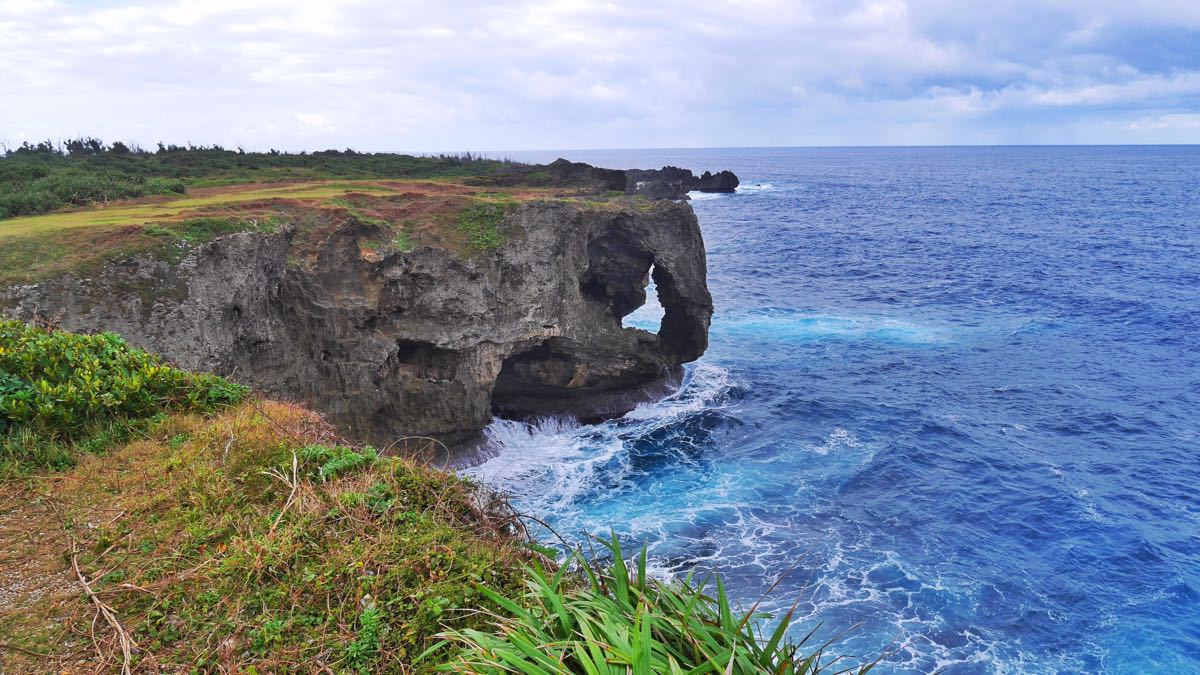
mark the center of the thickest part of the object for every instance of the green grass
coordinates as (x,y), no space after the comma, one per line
(145,213)
(358,212)
(31,258)
(239,522)
(202,230)
(249,540)
(480,223)
(403,242)
(621,621)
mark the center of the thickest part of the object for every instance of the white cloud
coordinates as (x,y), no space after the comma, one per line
(577,73)
(1173,121)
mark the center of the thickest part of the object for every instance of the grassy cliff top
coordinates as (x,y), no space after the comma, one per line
(73,212)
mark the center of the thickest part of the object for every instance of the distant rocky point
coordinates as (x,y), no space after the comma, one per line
(669,182)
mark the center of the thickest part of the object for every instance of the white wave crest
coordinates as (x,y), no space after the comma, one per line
(548,464)
(697,196)
(704,387)
(755,187)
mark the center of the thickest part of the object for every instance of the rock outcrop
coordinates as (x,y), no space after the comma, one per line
(672,182)
(425,342)
(669,182)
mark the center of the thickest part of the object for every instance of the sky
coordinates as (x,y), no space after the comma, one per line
(454,75)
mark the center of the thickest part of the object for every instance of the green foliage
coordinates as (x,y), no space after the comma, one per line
(621,621)
(62,393)
(324,463)
(44,177)
(205,229)
(480,222)
(32,190)
(61,382)
(360,653)
(358,213)
(402,242)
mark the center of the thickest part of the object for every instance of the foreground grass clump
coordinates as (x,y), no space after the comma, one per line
(253,541)
(61,393)
(621,621)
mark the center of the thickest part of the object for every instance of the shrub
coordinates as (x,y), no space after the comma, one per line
(621,621)
(77,188)
(60,382)
(62,393)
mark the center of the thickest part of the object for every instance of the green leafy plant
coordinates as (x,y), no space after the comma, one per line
(61,382)
(481,224)
(324,463)
(621,621)
(360,653)
(62,392)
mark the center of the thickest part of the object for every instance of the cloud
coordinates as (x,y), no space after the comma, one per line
(1174,121)
(424,75)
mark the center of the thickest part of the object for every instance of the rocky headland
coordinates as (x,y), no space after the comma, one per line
(426,310)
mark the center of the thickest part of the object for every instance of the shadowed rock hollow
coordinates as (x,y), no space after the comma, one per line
(421,342)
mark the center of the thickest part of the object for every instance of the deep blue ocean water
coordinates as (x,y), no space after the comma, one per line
(957,389)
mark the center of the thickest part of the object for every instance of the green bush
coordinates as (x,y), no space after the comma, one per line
(621,621)
(62,385)
(77,188)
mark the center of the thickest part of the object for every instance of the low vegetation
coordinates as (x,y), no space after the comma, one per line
(60,391)
(43,177)
(480,223)
(620,620)
(222,532)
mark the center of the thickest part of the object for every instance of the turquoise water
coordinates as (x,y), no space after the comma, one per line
(955,390)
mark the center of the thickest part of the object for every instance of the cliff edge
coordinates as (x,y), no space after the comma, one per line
(408,310)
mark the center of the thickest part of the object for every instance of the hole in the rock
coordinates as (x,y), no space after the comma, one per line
(529,375)
(650,315)
(423,359)
(617,274)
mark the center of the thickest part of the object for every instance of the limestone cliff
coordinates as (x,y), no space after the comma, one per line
(420,342)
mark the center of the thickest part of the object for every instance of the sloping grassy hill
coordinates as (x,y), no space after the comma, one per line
(213,530)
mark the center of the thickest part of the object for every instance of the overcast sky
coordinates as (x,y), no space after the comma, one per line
(497,75)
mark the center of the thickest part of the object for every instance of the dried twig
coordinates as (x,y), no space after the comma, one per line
(294,484)
(104,610)
(16,648)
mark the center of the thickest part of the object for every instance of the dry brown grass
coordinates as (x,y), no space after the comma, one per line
(213,554)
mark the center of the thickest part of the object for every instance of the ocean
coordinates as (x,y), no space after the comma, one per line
(952,396)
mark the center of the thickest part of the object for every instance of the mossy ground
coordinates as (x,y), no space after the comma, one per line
(215,551)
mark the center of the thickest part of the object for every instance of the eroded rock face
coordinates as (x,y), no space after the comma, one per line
(423,342)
